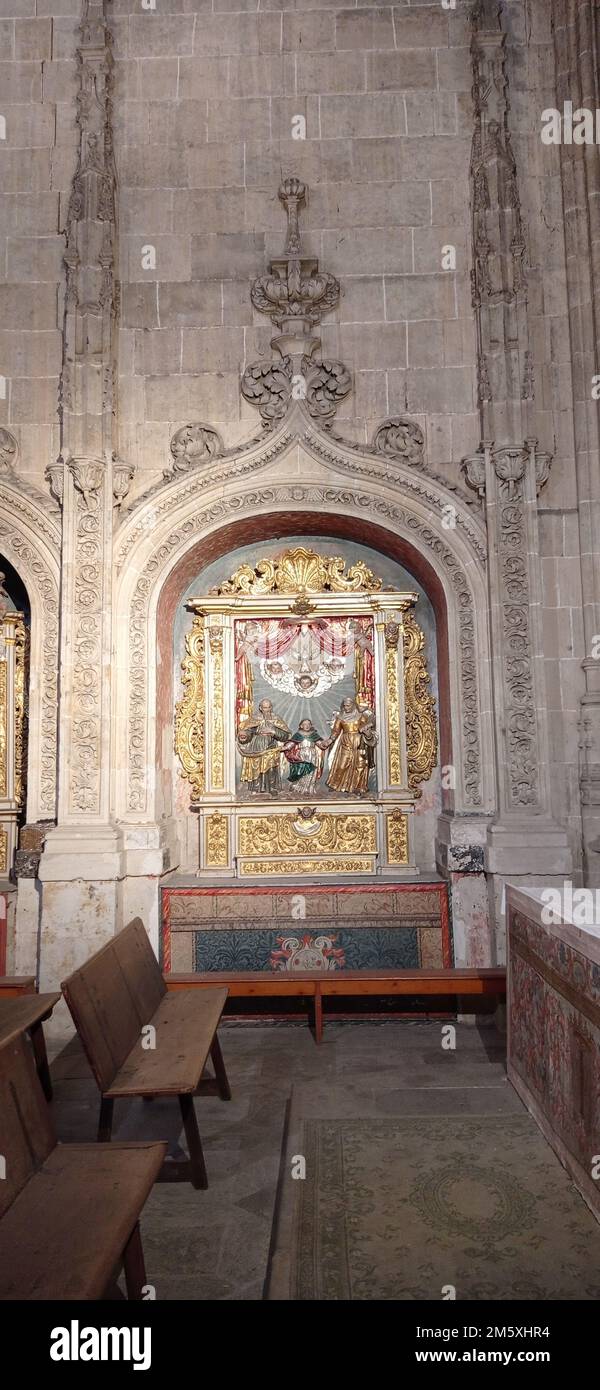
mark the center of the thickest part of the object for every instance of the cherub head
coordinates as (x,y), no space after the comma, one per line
(305,683)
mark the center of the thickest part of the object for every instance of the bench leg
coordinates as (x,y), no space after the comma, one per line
(318,1015)
(133,1264)
(192,1134)
(219,1066)
(105,1121)
(38,1043)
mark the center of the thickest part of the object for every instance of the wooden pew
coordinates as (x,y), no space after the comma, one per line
(16,984)
(116,994)
(27,1013)
(69,1213)
(439,983)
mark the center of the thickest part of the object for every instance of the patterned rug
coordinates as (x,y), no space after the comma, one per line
(401,1208)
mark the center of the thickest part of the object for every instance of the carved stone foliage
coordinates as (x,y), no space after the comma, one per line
(519,693)
(271,386)
(401,439)
(192,446)
(328,499)
(8,451)
(504,470)
(88,612)
(268,386)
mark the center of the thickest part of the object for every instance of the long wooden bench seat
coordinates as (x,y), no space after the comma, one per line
(141,1041)
(319,984)
(27,1013)
(69,1213)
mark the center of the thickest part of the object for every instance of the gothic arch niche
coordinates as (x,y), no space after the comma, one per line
(158,562)
(410,772)
(15,625)
(30,543)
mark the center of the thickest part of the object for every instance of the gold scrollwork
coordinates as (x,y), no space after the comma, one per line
(396,831)
(3,852)
(264,867)
(216,842)
(217,751)
(324,834)
(392,632)
(302,571)
(421,729)
(3,729)
(20,709)
(189,711)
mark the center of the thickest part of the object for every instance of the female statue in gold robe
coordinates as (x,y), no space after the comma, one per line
(354,737)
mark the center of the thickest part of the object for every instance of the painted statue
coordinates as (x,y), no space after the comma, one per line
(260,741)
(305,753)
(353,741)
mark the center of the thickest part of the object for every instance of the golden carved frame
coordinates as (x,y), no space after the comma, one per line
(350,836)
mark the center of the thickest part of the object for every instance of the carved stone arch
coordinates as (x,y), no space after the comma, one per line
(30,540)
(165,541)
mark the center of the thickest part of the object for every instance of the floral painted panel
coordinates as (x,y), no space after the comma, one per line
(554,1002)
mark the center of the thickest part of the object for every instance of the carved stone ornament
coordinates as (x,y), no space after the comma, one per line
(192,446)
(122,475)
(8,451)
(295,288)
(295,295)
(301,571)
(401,439)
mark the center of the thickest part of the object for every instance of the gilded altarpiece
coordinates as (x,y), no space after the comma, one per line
(13,685)
(306,724)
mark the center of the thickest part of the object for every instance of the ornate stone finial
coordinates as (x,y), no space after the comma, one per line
(292,193)
(295,295)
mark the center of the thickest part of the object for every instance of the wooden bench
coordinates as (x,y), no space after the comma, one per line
(16,984)
(69,1213)
(119,992)
(319,984)
(26,1014)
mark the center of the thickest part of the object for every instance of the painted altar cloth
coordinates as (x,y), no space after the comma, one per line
(355,927)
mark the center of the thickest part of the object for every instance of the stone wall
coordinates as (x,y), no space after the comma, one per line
(37,98)
(206,106)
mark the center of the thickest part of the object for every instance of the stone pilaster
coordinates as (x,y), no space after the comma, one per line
(576,29)
(89,480)
(508,471)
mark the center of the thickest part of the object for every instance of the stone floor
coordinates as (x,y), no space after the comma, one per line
(215,1244)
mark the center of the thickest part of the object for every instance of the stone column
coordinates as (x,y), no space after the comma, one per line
(81,864)
(576,28)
